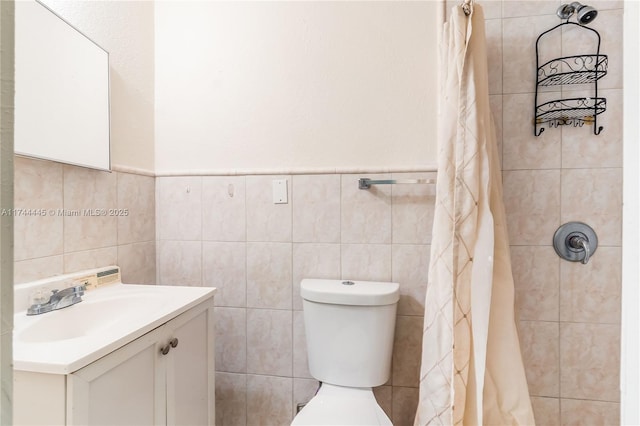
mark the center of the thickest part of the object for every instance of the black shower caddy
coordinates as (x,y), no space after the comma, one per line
(578,69)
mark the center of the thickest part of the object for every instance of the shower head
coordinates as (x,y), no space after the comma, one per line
(585,14)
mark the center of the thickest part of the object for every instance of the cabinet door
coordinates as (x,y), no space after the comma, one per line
(190,369)
(126,387)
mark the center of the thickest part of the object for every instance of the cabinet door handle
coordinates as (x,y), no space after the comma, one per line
(172,344)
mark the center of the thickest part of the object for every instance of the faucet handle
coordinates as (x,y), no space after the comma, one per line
(38,297)
(581,242)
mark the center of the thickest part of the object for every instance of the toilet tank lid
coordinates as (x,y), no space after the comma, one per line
(349,292)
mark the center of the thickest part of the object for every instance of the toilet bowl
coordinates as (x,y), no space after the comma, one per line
(338,405)
(349,329)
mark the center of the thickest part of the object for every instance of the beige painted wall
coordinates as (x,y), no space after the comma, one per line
(126,30)
(255,85)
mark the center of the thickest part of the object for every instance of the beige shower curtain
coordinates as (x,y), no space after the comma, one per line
(472,371)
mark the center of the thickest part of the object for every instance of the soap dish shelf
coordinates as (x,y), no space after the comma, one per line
(570,111)
(580,69)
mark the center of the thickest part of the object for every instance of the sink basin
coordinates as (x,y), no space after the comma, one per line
(92,315)
(65,340)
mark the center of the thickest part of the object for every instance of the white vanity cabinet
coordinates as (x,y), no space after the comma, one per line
(148,381)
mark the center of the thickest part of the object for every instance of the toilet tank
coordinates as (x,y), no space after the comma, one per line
(349,329)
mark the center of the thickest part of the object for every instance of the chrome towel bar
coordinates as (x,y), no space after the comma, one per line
(365,183)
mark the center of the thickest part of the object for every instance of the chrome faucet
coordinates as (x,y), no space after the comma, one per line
(59,299)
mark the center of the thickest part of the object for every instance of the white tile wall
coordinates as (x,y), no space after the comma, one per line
(258,256)
(570,313)
(56,243)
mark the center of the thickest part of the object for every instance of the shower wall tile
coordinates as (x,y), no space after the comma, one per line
(592,292)
(540,354)
(492,9)
(588,413)
(493,29)
(180,263)
(529,8)
(269,275)
(270,342)
(495,103)
(594,196)
(548,181)
(316,208)
(519,49)
(89,259)
(590,361)
(179,208)
(410,268)
(231,399)
(269,400)
(311,260)
(95,190)
(404,405)
(137,263)
(532,203)
(369,262)
(546,411)
(224,208)
(523,150)
(267,221)
(576,41)
(536,275)
(412,208)
(607,4)
(38,185)
(136,194)
(407,350)
(365,214)
(225,267)
(231,339)
(582,149)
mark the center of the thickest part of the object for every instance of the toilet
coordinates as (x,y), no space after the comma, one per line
(349,328)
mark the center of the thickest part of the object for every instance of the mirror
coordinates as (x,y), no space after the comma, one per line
(61,90)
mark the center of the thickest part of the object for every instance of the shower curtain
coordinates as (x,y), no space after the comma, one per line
(472,371)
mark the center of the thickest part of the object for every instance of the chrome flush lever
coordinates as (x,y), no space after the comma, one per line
(575,242)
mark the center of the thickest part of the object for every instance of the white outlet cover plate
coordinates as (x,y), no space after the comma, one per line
(280,191)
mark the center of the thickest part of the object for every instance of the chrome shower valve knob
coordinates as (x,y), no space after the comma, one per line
(575,242)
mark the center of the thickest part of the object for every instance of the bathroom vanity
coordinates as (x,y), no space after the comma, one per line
(127,354)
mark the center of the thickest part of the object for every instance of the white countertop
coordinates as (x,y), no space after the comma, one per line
(109,317)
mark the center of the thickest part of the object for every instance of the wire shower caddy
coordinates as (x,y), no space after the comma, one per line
(576,69)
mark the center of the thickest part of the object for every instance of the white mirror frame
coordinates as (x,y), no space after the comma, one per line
(630,332)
